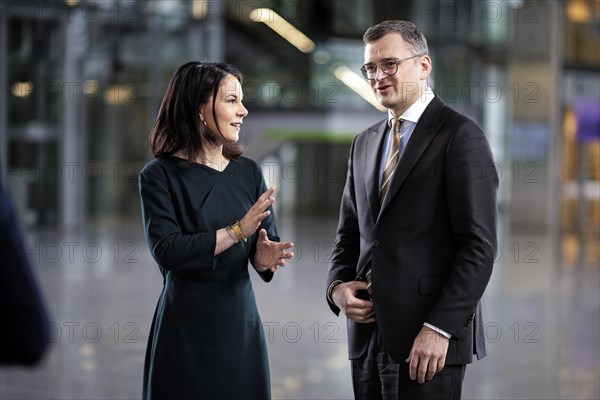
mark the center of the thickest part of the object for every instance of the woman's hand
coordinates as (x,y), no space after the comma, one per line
(251,221)
(270,255)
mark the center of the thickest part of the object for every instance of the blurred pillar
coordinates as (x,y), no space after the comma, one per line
(215,32)
(4,93)
(154,70)
(194,42)
(73,150)
(495,121)
(206,35)
(554,191)
(534,71)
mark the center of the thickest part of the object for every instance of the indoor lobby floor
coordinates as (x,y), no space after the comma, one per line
(542,321)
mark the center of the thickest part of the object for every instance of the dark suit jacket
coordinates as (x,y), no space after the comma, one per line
(24,334)
(431,244)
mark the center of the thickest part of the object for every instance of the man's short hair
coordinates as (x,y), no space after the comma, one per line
(411,34)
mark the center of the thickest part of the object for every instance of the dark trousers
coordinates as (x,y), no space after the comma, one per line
(377,376)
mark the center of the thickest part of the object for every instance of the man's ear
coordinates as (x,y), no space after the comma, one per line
(425,66)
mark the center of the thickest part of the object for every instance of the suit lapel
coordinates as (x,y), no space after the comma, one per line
(372,159)
(423,134)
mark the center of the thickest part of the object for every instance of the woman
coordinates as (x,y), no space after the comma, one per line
(206,213)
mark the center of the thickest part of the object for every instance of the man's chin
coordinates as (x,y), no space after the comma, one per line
(386,102)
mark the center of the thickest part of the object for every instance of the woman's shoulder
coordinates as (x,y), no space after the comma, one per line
(247,162)
(162,165)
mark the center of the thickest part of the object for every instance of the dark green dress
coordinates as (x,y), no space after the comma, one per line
(206,339)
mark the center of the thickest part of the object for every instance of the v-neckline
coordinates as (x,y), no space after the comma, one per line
(204,166)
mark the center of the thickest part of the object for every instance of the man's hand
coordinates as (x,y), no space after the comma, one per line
(344,296)
(428,355)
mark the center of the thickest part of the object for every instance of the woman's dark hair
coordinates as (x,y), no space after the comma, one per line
(178,126)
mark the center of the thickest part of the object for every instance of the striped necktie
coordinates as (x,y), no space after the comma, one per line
(391,161)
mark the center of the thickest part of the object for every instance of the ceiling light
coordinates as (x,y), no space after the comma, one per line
(283,28)
(356,83)
(578,11)
(21,89)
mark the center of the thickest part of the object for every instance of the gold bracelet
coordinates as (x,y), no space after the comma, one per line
(235,226)
(231,235)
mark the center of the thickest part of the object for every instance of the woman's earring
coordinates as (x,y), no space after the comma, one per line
(202,120)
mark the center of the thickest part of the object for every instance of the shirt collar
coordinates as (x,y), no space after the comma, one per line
(414,112)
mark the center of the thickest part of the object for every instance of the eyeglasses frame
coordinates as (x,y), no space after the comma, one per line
(378,66)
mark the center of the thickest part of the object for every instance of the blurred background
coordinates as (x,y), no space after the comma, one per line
(81,82)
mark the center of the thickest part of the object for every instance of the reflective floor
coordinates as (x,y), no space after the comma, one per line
(101,285)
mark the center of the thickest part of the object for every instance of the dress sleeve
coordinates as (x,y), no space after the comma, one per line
(268,223)
(171,249)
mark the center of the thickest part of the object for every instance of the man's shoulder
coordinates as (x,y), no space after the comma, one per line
(454,117)
(373,129)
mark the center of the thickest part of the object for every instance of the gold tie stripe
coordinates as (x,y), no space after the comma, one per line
(392,160)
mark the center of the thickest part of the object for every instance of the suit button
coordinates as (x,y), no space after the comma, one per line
(375,243)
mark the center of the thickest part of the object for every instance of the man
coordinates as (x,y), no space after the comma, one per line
(416,239)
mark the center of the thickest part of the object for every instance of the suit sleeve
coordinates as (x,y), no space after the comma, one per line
(171,249)
(346,249)
(471,185)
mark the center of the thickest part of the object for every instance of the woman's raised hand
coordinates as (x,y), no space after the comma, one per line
(251,221)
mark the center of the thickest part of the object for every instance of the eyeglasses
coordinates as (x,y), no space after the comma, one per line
(388,67)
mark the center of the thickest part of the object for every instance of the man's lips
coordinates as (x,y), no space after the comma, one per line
(382,88)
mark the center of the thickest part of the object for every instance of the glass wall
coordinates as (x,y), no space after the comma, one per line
(580,137)
(82,82)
